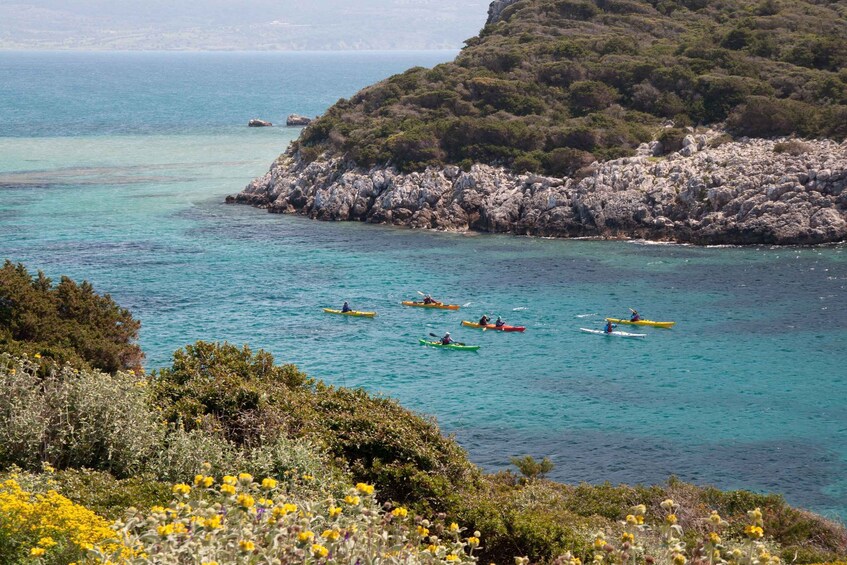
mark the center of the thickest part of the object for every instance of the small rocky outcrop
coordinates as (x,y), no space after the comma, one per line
(257,123)
(741,192)
(496,8)
(297,120)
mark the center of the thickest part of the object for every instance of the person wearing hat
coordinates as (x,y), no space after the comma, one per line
(446,340)
(346,307)
(499,323)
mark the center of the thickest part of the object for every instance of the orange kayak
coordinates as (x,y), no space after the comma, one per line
(438,305)
(494,327)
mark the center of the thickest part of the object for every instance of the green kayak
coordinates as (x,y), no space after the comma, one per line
(450,346)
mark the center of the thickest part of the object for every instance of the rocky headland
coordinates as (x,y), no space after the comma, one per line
(748,191)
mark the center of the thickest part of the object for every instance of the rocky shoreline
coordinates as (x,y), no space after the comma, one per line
(748,191)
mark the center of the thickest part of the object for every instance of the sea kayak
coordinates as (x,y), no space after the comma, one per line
(666,325)
(614,333)
(438,305)
(450,345)
(494,327)
(351,313)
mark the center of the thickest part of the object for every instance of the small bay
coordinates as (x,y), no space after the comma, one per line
(114,167)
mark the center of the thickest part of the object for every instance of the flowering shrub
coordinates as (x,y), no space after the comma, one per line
(240,520)
(49,527)
(74,418)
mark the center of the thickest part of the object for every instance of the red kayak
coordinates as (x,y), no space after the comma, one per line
(493,327)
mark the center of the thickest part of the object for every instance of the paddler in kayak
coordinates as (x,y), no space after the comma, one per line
(609,327)
(484,321)
(447,340)
(428,300)
(635,317)
(346,307)
(499,323)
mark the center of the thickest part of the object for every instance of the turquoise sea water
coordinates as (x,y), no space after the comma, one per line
(113,168)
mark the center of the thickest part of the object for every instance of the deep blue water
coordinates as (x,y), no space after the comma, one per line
(113,168)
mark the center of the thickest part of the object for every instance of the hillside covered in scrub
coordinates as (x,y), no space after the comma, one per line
(671,120)
(550,86)
(228,457)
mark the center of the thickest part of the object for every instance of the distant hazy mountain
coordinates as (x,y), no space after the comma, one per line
(239,24)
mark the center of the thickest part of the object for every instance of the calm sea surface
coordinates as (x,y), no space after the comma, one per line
(113,168)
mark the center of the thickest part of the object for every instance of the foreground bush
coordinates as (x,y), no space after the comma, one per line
(72,418)
(48,528)
(239,520)
(65,323)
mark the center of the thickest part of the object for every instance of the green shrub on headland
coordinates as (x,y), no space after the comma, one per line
(617,68)
(110,442)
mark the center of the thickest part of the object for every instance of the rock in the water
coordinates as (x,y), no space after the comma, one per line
(257,123)
(297,120)
(740,192)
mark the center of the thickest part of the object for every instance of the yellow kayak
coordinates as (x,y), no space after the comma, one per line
(666,325)
(351,313)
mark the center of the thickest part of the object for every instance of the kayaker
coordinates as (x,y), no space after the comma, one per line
(346,307)
(428,300)
(446,340)
(609,327)
(499,323)
(635,317)
(484,320)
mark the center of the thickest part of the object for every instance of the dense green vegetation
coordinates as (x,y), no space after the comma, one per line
(65,323)
(556,84)
(111,441)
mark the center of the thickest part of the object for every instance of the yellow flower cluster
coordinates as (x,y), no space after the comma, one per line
(256,522)
(38,520)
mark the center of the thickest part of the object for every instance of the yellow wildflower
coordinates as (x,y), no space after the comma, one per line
(473,541)
(246,545)
(399,512)
(353,500)
(715,518)
(714,538)
(452,557)
(37,551)
(423,532)
(37,355)
(215,522)
(334,511)
(640,509)
(182,489)
(208,481)
(306,536)
(245,501)
(46,541)
(668,504)
(671,519)
(754,532)
(679,559)
(245,477)
(365,488)
(432,548)
(454,527)
(627,537)
(198,479)
(319,551)
(227,489)
(208,563)
(269,483)
(308,478)
(575,561)
(631,519)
